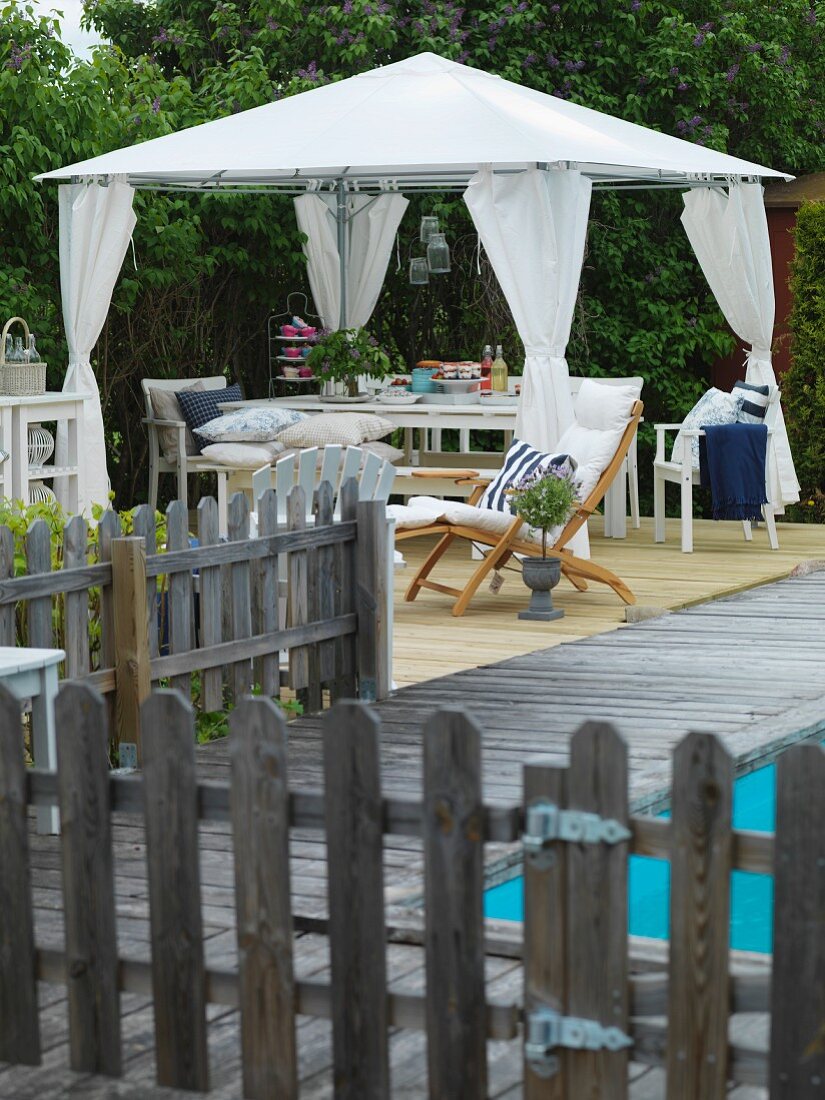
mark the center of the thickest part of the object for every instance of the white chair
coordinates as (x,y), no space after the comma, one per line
(686,476)
(185,464)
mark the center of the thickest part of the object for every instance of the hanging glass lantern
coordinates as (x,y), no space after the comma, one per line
(429,225)
(419,271)
(438,254)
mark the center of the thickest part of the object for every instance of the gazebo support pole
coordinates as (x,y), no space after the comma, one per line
(341,218)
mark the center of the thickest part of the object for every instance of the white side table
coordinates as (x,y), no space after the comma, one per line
(6,479)
(48,407)
(32,674)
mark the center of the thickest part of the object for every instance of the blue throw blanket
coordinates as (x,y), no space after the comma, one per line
(732,463)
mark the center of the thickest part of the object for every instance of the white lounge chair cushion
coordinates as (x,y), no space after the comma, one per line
(601,415)
(422,511)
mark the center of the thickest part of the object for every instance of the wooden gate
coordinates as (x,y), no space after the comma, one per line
(587,1012)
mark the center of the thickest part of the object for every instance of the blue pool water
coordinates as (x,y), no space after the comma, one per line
(754,807)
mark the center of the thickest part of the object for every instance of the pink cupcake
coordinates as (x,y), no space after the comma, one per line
(288,330)
(292,353)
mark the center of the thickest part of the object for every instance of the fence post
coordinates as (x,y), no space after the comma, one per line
(797,993)
(211,614)
(374,673)
(545,920)
(241,598)
(88,881)
(175,920)
(260,832)
(269,592)
(597,969)
(39,560)
(132,669)
(143,525)
(107,531)
(454,887)
(8,611)
(19,1028)
(179,594)
(698,1001)
(76,604)
(354,829)
(346,648)
(297,603)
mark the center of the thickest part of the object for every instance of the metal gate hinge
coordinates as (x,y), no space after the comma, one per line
(545,823)
(548,1030)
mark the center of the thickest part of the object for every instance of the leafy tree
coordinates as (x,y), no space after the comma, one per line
(745,79)
(803,386)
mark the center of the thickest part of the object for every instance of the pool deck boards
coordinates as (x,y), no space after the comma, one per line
(748,667)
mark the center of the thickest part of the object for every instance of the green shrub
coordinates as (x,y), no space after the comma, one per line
(803,386)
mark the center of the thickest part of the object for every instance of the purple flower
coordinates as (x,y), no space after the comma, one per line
(636,5)
(681,86)
(674,71)
(522,6)
(355,353)
(731,73)
(698,40)
(271,24)
(552,61)
(754,47)
(681,126)
(555,8)
(156,105)
(529,61)
(811,17)
(347,7)
(597,45)
(706,27)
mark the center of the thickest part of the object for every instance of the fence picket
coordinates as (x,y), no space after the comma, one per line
(260,830)
(132,669)
(107,530)
(545,920)
(372,601)
(171,801)
(297,605)
(8,613)
(39,560)
(76,604)
(325,574)
(597,966)
(354,830)
(88,881)
(797,1064)
(241,673)
(454,886)
(144,526)
(19,1025)
(269,592)
(211,616)
(344,686)
(179,599)
(697,1038)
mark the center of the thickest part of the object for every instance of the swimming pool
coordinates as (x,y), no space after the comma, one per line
(754,807)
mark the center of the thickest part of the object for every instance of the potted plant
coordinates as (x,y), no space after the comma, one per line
(544,500)
(346,355)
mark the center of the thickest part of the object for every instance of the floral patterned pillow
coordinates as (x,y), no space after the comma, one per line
(252,425)
(713,407)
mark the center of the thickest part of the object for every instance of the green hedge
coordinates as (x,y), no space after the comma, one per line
(803,386)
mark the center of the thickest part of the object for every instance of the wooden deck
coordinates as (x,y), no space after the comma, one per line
(429,642)
(747,667)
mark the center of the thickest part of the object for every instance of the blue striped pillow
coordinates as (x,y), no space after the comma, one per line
(755,404)
(521,459)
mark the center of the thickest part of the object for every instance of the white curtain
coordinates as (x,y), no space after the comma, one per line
(533,227)
(729,234)
(372,222)
(96,224)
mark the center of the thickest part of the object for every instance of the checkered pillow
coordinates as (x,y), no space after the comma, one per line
(346,429)
(199,408)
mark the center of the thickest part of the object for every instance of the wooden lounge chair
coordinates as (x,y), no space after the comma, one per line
(504,545)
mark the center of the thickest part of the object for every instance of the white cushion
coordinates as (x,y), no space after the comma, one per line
(592,449)
(713,407)
(422,511)
(603,408)
(347,429)
(253,425)
(243,455)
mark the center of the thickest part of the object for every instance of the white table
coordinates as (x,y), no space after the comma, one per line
(433,418)
(20,412)
(32,674)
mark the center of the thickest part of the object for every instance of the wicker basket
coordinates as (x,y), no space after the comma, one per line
(20,379)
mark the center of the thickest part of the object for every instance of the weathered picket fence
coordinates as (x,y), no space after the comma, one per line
(212,609)
(586,1014)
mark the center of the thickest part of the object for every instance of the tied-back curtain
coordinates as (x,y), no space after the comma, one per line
(96,224)
(372,222)
(533,226)
(729,234)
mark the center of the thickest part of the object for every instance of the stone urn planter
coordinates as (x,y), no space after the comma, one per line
(541,575)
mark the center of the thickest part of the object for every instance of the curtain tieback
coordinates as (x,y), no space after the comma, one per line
(547,352)
(757,352)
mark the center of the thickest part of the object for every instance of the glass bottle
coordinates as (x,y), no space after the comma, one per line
(9,354)
(438,254)
(19,356)
(33,353)
(429,225)
(486,366)
(498,373)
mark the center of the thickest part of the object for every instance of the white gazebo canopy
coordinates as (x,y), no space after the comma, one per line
(526,162)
